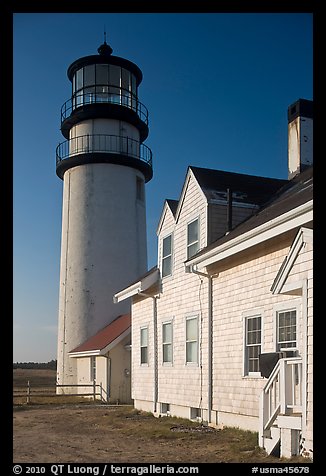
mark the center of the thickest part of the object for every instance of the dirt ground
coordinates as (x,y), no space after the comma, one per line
(96,433)
(101,434)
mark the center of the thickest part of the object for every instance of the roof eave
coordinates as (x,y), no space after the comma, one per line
(104,350)
(304,235)
(85,353)
(282,223)
(138,287)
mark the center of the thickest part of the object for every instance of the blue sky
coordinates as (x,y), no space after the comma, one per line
(217,87)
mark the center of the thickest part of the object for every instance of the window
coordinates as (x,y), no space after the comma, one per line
(102,74)
(192,339)
(167,341)
(192,238)
(89,75)
(165,408)
(195,413)
(144,345)
(252,344)
(79,79)
(114,79)
(140,189)
(93,368)
(286,329)
(167,256)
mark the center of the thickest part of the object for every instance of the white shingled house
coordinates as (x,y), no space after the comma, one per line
(222,326)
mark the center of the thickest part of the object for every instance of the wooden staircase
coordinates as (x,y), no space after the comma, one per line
(280,408)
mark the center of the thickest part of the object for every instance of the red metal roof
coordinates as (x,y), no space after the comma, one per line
(106,335)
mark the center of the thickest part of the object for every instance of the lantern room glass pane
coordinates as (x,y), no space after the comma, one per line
(125,80)
(79,79)
(125,87)
(89,75)
(133,85)
(114,75)
(102,74)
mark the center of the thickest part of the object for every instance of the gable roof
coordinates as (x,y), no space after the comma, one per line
(249,189)
(296,194)
(171,206)
(105,339)
(279,286)
(213,184)
(246,188)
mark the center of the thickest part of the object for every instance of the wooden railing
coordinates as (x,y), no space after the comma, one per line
(282,394)
(97,392)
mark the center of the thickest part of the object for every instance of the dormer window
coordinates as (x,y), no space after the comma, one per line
(192,238)
(167,256)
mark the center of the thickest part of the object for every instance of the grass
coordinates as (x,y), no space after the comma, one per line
(139,431)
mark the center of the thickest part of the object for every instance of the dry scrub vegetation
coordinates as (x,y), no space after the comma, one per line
(95,433)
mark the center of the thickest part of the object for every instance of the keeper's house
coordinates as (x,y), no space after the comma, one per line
(222,326)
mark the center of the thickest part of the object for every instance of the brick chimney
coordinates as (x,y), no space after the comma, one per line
(300,136)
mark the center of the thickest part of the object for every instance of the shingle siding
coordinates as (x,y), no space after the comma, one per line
(241,287)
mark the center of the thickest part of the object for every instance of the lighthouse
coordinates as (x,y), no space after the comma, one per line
(104,165)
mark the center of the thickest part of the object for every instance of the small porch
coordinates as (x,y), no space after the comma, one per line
(281,409)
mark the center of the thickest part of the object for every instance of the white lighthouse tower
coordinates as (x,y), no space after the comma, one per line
(104,165)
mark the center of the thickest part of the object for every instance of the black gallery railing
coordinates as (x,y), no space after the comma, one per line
(103,143)
(119,97)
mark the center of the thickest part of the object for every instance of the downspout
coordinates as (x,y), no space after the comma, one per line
(304,354)
(155,394)
(210,339)
(108,371)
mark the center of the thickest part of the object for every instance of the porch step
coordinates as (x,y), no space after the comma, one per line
(271,444)
(293,422)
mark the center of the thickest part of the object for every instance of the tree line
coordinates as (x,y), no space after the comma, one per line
(52,364)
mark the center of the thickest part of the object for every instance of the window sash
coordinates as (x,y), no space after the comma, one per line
(192,238)
(144,345)
(93,368)
(286,329)
(167,341)
(167,256)
(192,340)
(253,344)
(167,353)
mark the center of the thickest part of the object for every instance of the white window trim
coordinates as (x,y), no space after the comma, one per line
(245,315)
(194,315)
(92,368)
(170,321)
(187,244)
(292,305)
(172,254)
(144,364)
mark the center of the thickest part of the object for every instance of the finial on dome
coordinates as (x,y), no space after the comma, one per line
(104,49)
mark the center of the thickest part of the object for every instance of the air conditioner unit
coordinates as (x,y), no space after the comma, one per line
(268,361)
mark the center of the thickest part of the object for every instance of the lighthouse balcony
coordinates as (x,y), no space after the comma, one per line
(106,101)
(104,148)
